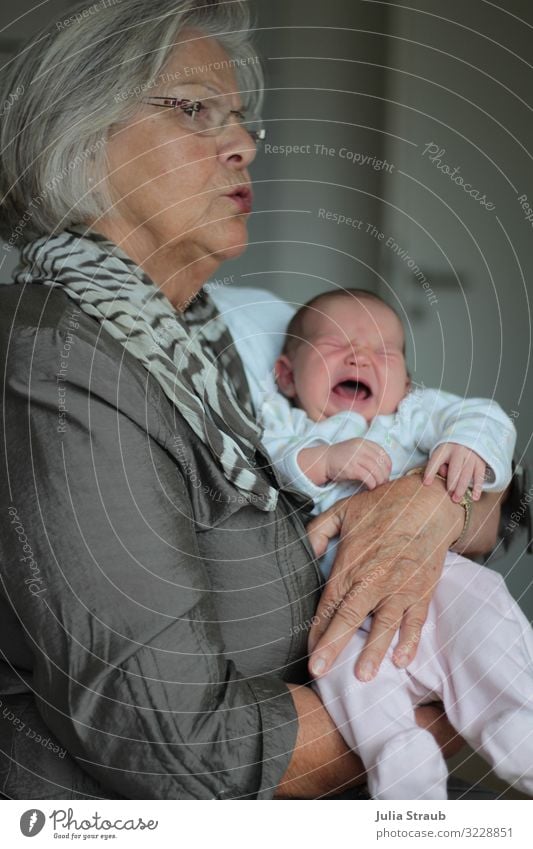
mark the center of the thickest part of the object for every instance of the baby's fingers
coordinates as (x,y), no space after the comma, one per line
(379,469)
(437,459)
(368,477)
(370,472)
(459,478)
(381,457)
(479,479)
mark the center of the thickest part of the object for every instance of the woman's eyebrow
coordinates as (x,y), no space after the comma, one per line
(216,91)
(180,85)
(196,81)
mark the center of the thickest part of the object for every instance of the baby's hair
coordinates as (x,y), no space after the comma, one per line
(295,333)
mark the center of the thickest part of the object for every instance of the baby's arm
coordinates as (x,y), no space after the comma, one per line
(460,466)
(351,460)
(312,455)
(468,440)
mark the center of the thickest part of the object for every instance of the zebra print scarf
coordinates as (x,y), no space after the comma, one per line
(176,348)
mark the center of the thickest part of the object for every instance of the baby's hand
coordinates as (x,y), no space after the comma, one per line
(460,466)
(358,460)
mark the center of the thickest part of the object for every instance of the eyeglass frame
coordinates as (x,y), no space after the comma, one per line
(175,102)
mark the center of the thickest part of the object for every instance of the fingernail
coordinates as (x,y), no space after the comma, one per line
(318,666)
(367,671)
(401,658)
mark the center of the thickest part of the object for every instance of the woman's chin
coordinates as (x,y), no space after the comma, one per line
(233,243)
(234,251)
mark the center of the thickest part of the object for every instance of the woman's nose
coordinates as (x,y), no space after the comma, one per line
(236,147)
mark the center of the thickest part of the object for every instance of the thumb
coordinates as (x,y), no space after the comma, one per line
(325,527)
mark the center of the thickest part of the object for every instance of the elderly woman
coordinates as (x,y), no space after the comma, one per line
(157,583)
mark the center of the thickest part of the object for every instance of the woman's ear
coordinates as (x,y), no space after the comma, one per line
(284,373)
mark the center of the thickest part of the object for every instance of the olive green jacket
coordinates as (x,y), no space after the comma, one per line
(148,616)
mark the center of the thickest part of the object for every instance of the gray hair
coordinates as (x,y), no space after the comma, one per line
(71,85)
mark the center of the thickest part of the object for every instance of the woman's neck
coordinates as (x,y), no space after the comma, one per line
(178,270)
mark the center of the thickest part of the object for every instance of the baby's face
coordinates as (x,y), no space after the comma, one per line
(351,359)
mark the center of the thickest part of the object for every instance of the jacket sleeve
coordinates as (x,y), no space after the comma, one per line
(101,567)
(477,423)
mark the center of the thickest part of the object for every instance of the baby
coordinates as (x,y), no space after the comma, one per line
(347,416)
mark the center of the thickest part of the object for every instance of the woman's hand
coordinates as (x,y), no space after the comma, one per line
(393,542)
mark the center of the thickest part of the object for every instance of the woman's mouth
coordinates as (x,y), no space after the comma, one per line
(243,197)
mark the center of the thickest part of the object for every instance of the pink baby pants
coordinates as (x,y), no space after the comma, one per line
(476,656)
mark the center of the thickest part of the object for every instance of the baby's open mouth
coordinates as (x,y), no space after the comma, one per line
(354,390)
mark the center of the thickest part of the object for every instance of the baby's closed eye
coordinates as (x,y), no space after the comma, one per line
(329,341)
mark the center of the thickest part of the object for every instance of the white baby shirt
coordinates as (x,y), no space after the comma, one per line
(424,420)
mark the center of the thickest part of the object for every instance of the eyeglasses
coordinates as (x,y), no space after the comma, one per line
(207,117)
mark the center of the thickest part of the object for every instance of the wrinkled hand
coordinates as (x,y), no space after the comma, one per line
(358,460)
(460,466)
(393,542)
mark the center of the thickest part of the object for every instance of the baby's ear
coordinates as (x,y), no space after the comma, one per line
(285,376)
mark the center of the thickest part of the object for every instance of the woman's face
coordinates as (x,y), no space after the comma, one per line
(173,185)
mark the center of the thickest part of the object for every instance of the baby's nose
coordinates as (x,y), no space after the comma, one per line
(358,355)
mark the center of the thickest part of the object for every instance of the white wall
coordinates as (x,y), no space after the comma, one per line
(465,86)
(340,74)
(324,80)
